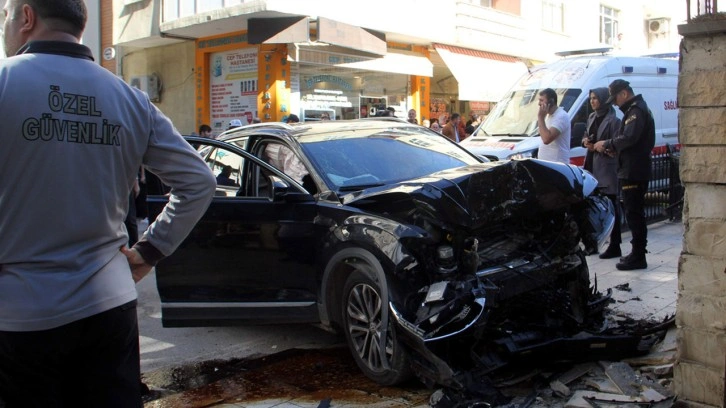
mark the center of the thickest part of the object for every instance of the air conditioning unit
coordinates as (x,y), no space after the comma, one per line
(658,26)
(147,83)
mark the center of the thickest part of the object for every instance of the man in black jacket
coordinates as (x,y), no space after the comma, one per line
(632,145)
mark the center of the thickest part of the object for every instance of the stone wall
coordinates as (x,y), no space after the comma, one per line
(700,370)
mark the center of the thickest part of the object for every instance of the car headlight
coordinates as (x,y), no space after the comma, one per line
(522,155)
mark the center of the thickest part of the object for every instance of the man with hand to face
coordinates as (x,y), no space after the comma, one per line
(554,128)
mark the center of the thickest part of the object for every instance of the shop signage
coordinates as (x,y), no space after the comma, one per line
(233,86)
(310,82)
(311,56)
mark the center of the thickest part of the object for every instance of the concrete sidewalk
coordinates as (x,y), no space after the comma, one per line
(652,291)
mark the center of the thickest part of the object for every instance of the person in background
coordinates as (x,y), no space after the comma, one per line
(443,120)
(256,120)
(468,131)
(292,118)
(435,125)
(632,146)
(473,120)
(205,131)
(325,116)
(392,111)
(224,177)
(451,129)
(68,322)
(462,129)
(426,123)
(554,128)
(234,123)
(603,124)
(412,116)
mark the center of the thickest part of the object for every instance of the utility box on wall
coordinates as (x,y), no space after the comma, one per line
(148,84)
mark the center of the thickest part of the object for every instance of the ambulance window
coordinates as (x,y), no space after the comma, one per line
(568,97)
(583,113)
(579,117)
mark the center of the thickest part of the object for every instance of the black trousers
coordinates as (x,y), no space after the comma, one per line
(93,362)
(633,194)
(615,238)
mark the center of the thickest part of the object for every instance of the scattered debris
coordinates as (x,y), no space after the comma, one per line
(623,376)
(659,371)
(561,385)
(624,287)
(602,385)
(576,372)
(658,358)
(560,388)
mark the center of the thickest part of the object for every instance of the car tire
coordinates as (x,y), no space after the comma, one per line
(363,310)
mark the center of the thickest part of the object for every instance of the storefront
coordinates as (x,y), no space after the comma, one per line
(238,79)
(348,87)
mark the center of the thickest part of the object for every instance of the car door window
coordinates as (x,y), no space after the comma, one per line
(284,159)
(227,168)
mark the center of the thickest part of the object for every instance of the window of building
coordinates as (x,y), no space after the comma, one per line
(608,25)
(553,15)
(174,9)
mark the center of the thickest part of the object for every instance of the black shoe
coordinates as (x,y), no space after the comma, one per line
(632,262)
(613,251)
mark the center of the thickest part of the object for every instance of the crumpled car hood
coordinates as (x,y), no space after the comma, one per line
(475,195)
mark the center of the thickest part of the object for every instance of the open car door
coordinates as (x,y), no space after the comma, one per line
(250,258)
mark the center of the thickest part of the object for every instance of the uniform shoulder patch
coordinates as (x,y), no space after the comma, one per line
(631,118)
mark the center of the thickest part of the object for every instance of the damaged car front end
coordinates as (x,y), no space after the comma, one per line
(429,261)
(499,257)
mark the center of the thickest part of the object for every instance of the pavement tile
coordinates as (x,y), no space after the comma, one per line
(306,403)
(379,404)
(659,276)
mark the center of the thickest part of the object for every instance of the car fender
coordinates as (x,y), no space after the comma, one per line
(334,279)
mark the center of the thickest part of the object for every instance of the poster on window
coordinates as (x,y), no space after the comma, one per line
(233,83)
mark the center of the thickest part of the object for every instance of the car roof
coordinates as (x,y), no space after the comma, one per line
(316,128)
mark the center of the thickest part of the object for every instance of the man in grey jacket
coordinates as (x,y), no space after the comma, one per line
(74,136)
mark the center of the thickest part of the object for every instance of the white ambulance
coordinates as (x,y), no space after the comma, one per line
(510,131)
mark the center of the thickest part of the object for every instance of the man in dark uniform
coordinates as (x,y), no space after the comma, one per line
(632,145)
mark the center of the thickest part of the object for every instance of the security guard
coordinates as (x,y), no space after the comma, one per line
(632,145)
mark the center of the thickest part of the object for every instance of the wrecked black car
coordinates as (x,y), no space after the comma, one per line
(430,261)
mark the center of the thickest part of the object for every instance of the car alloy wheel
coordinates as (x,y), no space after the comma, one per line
(363,311)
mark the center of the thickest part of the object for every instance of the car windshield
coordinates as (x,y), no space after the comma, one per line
(516,115)
(374,157)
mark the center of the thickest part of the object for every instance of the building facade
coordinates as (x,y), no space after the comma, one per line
(211,61)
